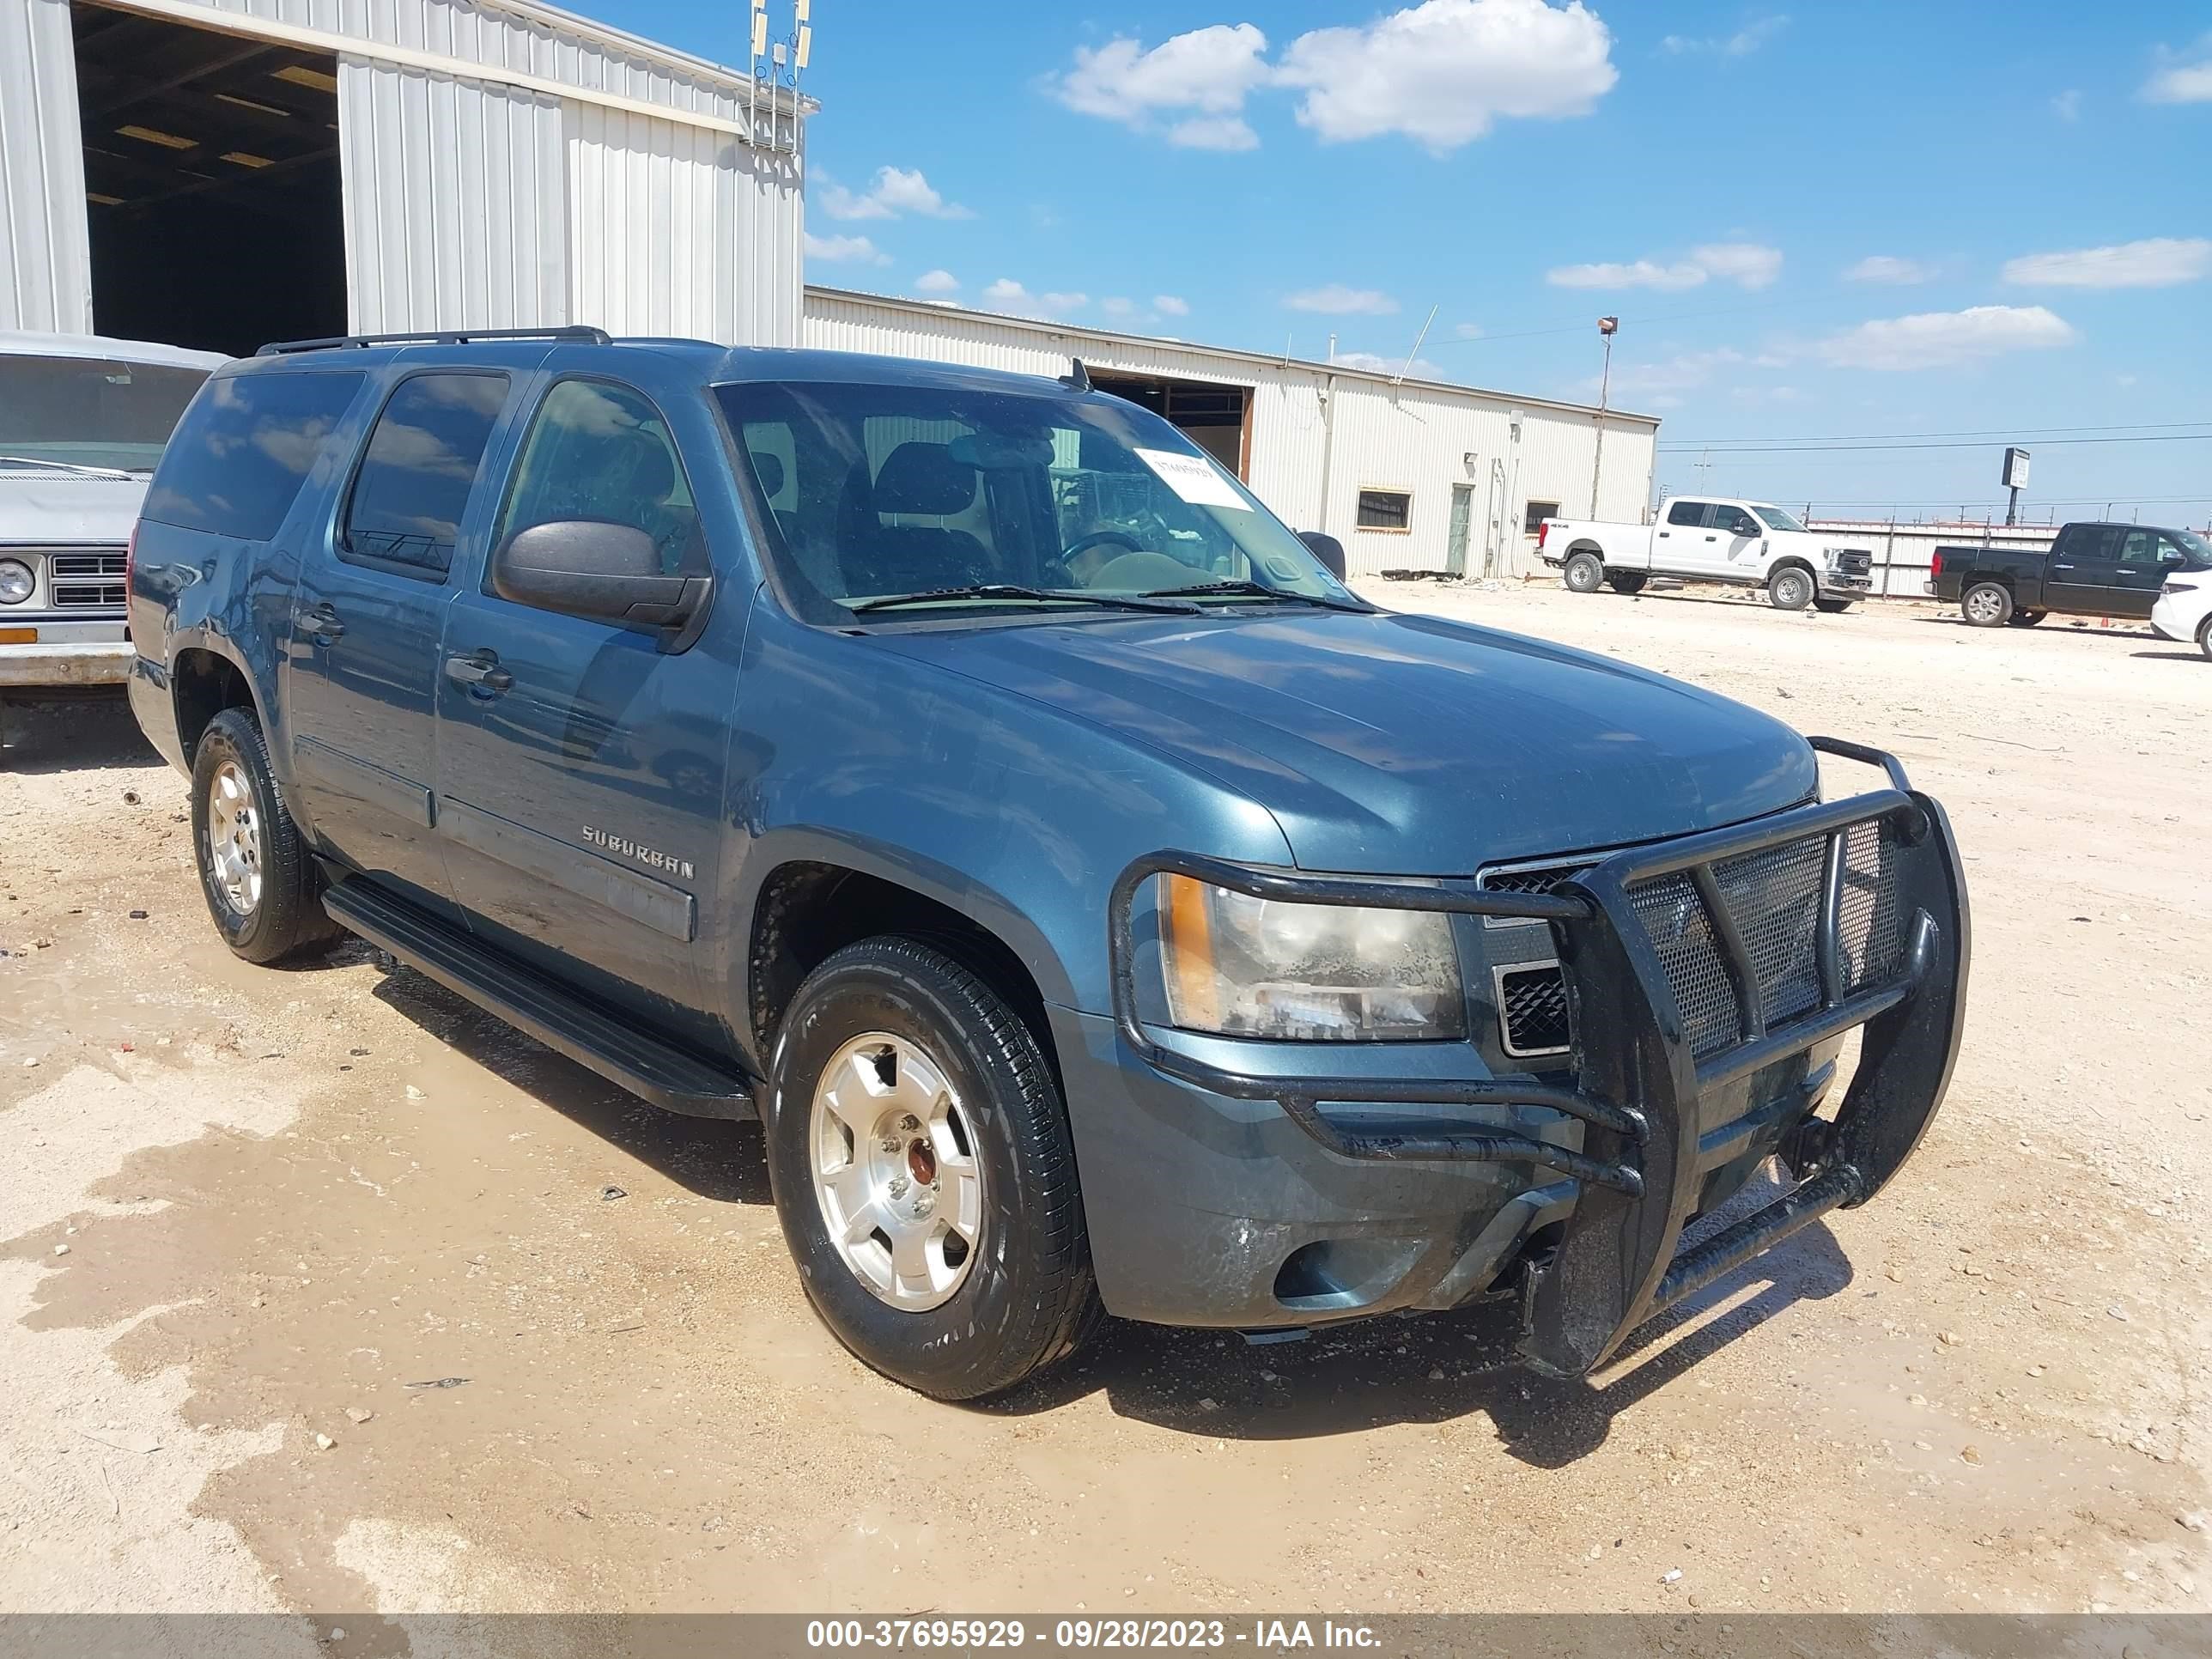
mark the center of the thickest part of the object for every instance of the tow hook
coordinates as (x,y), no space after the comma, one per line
(1809,1148)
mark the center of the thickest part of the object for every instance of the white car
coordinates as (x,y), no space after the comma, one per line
(1744,543)
(83,421)
(2183,611)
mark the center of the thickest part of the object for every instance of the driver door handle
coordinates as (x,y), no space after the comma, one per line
(480,672)
(323,623)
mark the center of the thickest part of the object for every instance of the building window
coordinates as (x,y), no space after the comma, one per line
(1533,520)
(1386,509)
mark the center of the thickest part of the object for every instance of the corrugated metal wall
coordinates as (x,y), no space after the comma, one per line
(45,258)
(1414,438)
(680,230)
(455,213)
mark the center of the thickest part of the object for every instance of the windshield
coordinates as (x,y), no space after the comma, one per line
(2198,550)
(1777,519)
(91,411)
(874,492)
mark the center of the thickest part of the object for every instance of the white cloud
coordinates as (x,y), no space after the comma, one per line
(1007,294)
(1335,299)
(2158,261)
(1375,362)
(1441,72)
(1118,307)
(896,191)
(1747,264)
(939,281)
(841,250)
(1644,273)
(1741,44)
(1170,305)
(1945,339)
(1202,76)
(1466,331)
(1887,268)
(2183,77)
(2067,106)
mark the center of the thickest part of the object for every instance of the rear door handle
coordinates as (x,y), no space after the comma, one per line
(480,672)
(324,624)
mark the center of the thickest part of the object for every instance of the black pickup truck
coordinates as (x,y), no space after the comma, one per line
(2091,570)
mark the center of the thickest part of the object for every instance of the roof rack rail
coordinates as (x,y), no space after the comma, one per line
(576,333)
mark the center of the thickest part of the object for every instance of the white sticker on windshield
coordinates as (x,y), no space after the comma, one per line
(1192,477)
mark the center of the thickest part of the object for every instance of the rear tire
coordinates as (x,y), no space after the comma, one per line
(1832,607)
(1583,573)
(262,887)
(2204,638)
(1626,581)
(2026,618)
(960,1125)
(1986,605)
(1790,588)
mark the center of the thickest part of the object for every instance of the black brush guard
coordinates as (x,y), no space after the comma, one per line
(1640,1091)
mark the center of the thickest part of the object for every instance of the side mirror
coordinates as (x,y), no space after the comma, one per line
(610,572)
(1326,548)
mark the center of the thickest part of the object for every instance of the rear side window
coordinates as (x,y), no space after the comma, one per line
(421,464)
(236,464)
(1687,513)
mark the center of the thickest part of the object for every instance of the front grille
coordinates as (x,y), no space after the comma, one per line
(1851,561)
(1532,1010)
(86,581)
(1774,897)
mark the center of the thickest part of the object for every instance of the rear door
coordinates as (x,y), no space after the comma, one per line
(2084,569)
(1678,539)
(580,764)
(369,612)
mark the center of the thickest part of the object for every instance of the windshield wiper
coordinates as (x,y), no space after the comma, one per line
(1013,590)
(1209,590)
(66,466)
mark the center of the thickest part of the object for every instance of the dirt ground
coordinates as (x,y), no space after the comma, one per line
(249,1219)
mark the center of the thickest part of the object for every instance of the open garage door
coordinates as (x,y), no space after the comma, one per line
(211,174)
(1216,418)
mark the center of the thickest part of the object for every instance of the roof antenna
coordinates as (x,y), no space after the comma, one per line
(1078,377)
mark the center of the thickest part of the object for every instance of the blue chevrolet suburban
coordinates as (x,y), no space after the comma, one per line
(1100,905)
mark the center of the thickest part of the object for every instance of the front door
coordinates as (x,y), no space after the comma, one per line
(2146,556)
(2083,569)
(1735,542)
(369,612)
(580,764)
(1462,515)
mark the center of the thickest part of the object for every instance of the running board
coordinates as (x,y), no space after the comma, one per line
(671,1078)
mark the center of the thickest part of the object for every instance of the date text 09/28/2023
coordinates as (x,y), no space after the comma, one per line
(1262,1635)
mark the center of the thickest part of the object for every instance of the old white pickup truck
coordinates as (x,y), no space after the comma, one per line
(1707,539)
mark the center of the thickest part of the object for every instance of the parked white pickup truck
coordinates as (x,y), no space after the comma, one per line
(1703,539)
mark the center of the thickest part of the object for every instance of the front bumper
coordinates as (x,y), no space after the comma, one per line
(52,663)
(1429,1185)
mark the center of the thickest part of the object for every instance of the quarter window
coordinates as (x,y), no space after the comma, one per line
(600,454)
(1532,519)
(237,461)
(416,477)
(1386,509)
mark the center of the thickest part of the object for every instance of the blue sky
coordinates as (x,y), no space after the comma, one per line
(1812,222)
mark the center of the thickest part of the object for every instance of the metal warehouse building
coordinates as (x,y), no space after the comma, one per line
(1415,475)
(220,172)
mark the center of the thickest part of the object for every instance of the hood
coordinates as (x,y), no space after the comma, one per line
(38,507)
(1394,744)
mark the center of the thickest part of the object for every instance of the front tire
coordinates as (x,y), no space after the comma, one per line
(2204,638)
(1986,605)
(1790,588)
(924,1173)
(1585,572)
(261,885)
(1832,607)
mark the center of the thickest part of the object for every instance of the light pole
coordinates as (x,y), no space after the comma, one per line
(1606,327)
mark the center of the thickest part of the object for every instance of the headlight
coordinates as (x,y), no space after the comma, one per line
(16,582)
(1246,967)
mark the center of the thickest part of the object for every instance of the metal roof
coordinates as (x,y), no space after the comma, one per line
(1219,353)
(18,342)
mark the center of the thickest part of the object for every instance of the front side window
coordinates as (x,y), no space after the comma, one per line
(420,466)
(1689,514)
(1734,521)
(1385,509)
(866,493)
(2140,547)
(90,412)
(2195,552)
(236,463)
(600,454)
